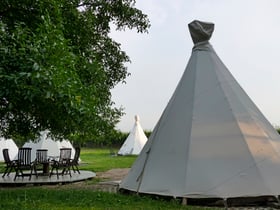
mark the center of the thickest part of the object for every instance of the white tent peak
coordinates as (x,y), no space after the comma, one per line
(211,139)
(137,118)
(135,140)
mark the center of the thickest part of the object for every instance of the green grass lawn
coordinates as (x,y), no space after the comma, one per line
(71,197)
(102,160)
(38,198)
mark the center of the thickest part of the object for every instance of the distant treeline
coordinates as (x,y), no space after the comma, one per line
(114,139)
(117,138)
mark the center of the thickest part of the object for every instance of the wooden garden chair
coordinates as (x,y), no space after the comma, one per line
(63,164)
(10,164)
(75,161)
(41,163)
(24,163)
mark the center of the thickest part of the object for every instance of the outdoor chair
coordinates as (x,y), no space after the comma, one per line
(63,163)
(75,161)
(41,163)
(10,164)
(24,163)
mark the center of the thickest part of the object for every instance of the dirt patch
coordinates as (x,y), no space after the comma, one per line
(113,174)
(108,181)
(111,179)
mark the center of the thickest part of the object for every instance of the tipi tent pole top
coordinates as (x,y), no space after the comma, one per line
(200,31)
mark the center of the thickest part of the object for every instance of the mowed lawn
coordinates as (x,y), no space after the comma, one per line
(104,159)
(76,198)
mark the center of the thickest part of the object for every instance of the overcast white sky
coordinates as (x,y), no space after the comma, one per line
(246,38)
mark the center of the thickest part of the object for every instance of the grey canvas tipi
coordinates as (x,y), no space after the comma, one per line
(211,140)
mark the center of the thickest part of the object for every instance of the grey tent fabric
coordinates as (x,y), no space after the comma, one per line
(211,140)
(200,31)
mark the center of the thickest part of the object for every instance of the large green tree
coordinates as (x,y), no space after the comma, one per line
(58,64)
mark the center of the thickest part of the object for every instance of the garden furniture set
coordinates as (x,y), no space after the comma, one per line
(43,165)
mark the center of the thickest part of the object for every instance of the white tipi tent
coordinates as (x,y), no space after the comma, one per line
(67,144)
(135,140)
(46,142)
(211,140)
(9,144)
